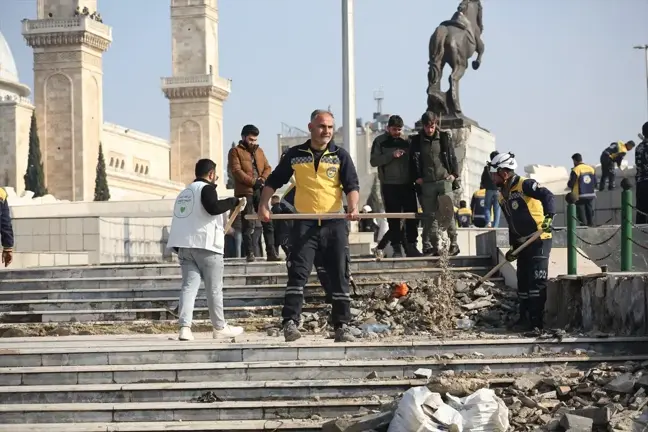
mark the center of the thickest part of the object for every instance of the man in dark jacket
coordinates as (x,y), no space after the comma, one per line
(613,155)
(390,154)
(641,177)
(435,168)
(490,199)
(6,230)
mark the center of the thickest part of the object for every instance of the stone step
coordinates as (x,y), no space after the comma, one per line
(255,347)
(13,296)
(288,370)
(231,267)
(172,426)
(186,392)
(243,279)
(90,314)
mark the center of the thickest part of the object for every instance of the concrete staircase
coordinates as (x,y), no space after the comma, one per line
(134,292)
(256,382)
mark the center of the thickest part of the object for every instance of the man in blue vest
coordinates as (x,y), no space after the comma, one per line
(6,229)
(582,182)
(528,208)
(323,172)
(197,235)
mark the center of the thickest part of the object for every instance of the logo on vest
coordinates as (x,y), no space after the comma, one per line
(184,204)
(482,203)
(331,171)
(515,205)
(587,179)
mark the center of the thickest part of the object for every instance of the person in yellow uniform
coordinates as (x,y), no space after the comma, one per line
(478,206)
(323,173)
(463,215)
(582,182)
(613,155)
(528,208)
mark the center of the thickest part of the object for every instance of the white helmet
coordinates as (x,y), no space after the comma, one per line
(503,160)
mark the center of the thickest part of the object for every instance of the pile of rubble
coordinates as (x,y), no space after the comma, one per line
(604,398)
(435,305)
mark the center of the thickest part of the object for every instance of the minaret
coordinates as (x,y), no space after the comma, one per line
(68,93)
(195,91)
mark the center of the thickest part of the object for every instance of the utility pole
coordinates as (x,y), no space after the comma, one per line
(645,49)
(348,79)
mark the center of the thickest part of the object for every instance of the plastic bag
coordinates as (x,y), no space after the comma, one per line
(416,410)
(483,411)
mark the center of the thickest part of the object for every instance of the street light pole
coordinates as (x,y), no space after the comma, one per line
(645,49)
(348,79)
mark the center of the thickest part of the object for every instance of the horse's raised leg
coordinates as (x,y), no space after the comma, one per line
(456,75)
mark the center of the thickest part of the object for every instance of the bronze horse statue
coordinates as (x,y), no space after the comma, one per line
(454,42)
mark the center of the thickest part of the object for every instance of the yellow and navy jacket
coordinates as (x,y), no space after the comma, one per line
(464,216)
(478,204)
(582,182)
(525,204)
(322,181)
(6,230)
(615,152)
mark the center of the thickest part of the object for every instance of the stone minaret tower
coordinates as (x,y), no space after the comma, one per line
(68,93)
(195,91)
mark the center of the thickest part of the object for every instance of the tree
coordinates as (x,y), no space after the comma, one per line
(230,177)
(34,176)
(101,181)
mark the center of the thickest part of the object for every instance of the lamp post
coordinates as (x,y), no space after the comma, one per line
(348,79)
(645,49)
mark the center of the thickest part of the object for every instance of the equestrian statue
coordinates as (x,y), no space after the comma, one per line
(454,42)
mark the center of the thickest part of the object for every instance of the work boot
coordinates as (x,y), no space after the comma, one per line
(272,254)
(523,323)
(412,251)
(398,251)
(291,333)
(453,250)
(343,334)
(432,252)
(250,257)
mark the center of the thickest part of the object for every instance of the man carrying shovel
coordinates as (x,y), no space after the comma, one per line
(529,210)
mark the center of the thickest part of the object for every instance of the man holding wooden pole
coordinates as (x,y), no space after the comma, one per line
(323,173)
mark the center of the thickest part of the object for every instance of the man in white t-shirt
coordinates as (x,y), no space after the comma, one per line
(197,235)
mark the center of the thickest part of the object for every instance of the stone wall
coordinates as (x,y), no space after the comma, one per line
(613,303)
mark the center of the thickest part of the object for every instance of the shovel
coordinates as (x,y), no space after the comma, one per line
(235,213)
(497,268)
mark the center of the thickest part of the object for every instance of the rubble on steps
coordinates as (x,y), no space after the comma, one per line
(437,305)
(604,398)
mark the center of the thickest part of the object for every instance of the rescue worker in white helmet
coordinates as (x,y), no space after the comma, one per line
(528,208)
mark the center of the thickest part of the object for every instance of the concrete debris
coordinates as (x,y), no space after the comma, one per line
(606,397)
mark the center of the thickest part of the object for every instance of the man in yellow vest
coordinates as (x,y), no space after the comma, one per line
(582,182)
(478,206)
(528,208)
(463,215)
(323,173)
(613,155)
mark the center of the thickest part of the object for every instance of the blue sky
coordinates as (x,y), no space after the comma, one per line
(558,76)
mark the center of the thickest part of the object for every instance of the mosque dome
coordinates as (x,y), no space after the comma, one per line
(9,81)
(8,71)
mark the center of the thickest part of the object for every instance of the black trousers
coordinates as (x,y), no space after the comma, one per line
(252,207)
(400,199)
(585,211)
(532,274)
(607,172)
(331,240)
(641,203)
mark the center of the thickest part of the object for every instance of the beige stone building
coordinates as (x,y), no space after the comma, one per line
(68,101)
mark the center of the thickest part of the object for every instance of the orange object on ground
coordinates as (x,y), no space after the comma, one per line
(400,290)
